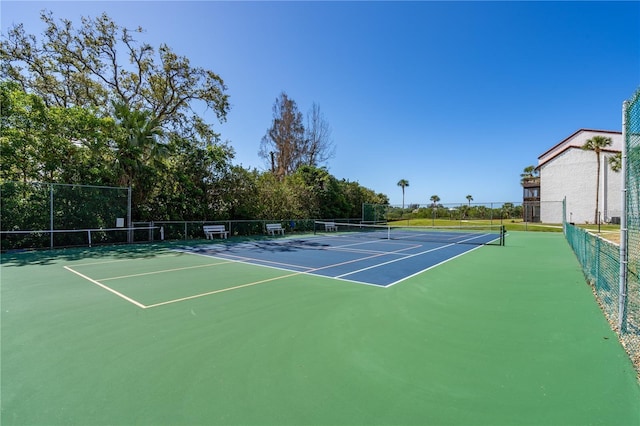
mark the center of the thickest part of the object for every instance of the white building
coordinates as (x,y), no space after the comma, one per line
(567,170)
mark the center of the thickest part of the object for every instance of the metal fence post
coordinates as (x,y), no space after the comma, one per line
(622,323)
(51,215)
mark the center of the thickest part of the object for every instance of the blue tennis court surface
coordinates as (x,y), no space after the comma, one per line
(379,262)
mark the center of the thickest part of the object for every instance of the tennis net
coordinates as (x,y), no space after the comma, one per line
(480,234)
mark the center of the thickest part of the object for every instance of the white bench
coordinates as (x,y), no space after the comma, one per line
(211,230)
(274,228)
(330,226)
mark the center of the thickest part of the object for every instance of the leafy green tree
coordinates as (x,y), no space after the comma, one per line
(318,188)
(596,144)
(68,66)
(356,195)
(434,200)
(277,200)
(507,210)
(22,126)
(403,183)
(192,184)
(238,194)
(53,144)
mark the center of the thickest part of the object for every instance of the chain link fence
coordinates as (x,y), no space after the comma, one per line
(469,212)
(613,270)
(630,329)
(45,215)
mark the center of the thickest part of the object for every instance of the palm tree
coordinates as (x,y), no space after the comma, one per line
(469,199)
(616,162)
(434,200)
(528,172)
(138,145)
(403,183)
(596,144)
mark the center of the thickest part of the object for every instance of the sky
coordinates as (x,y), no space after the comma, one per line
(455,97)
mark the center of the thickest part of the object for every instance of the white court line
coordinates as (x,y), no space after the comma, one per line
(394,260)
(195,296)
(412,275)
(309,270)
(249,260)
(360,240)
(355,250)
(432,266)
(137,259)
(117,293)
(165,271)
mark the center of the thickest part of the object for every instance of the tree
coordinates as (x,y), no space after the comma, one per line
(318,146)
(52,144)
(403,183)
(138,143)
(468,208)
(283,144)
(101,61)
(616,162)
(528,173)
(138,150)
(596,144)
(193,184)
(507,210)
(23,122)
(434,199)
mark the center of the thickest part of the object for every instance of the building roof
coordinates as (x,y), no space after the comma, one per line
(577,140)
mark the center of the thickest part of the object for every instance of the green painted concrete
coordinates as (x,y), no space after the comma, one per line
(501,336)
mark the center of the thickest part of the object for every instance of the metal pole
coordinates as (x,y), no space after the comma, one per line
(622,323)
(129,224)
(51,215)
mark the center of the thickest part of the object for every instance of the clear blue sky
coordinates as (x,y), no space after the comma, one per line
(455,97)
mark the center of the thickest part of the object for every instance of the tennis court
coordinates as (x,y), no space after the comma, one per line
(281,331)
(359,253)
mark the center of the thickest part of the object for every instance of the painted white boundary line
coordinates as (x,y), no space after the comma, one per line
(117,293)
(135,259)
(196,296)
(233,258)
(432,266)
(166,270)
(395,260)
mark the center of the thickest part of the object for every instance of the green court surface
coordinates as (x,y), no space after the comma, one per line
(500,336)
